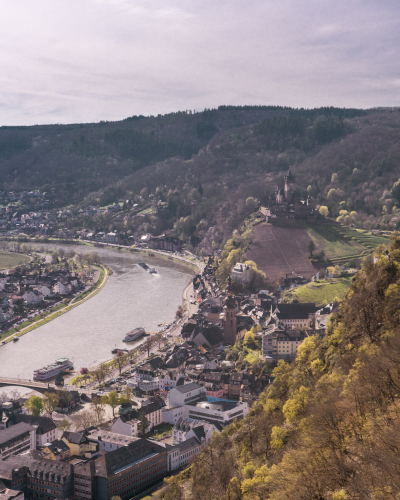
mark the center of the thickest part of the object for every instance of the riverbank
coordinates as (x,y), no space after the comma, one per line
(57,311)
(114,366)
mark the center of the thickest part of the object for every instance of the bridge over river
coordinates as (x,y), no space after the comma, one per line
(31,384)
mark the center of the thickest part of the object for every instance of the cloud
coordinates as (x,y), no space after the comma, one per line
(87,60)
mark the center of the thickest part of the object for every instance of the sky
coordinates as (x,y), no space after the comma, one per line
(80,61)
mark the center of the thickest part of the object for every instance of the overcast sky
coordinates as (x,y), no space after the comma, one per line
(64,61)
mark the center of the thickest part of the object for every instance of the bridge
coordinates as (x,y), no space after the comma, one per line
(31,384)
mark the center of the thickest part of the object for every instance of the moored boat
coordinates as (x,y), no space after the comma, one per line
(134,334)
(59,366)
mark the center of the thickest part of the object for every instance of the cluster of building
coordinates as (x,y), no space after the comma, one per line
(34,290)
(98,463)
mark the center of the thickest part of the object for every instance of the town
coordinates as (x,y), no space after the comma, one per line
(119,431)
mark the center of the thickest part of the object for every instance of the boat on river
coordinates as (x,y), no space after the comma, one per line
(151,270)
(134,334)
(59,366)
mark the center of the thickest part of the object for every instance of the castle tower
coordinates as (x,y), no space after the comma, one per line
(230,326)
(290,180)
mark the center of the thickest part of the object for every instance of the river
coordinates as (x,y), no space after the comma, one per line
(86,334)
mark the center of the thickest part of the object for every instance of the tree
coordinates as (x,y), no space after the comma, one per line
(396,190)
(250,202)
(249,340)
(64,425)
(35,405)
(335,178)
(144,423)
(311,247)
(127,394)
(50,402)
(179,312)
(147,345)
(112,400)
(84,419)
(324,211)
(97,406)
(119,360)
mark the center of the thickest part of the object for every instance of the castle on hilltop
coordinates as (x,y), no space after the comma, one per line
(288,203)
(287,193)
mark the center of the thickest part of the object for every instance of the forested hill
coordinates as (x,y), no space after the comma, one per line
(77,159)
(328,426)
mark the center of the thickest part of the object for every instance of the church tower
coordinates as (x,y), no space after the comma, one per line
(290,180)
(230,326)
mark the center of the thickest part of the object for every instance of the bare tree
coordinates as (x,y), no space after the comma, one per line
(84,419)
(97,406)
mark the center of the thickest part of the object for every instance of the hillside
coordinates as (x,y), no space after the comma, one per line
(205,166)
(74,160)
(327,427)
(281,249)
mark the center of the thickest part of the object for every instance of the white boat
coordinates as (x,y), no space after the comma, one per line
(134,334)
(59,366)
(152,270)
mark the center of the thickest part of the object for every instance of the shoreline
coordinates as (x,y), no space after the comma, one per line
(76,301)
(185,303)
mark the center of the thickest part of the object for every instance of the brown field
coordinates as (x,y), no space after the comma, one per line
(281,250)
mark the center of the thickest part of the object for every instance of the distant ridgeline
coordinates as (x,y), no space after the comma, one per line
(77,159)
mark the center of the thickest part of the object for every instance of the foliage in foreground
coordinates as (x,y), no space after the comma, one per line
(328,426)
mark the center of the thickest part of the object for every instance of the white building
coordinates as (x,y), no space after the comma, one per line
(45,290)
(60,288)
(33,298)
(184,394)
(110,441)
(241,273)
(221,412)
(188,450)
(186,428)
(172,415)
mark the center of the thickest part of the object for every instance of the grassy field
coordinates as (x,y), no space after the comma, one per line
(342,243)
(322,291)
(9,260)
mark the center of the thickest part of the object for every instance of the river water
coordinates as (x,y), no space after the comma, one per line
(86,334)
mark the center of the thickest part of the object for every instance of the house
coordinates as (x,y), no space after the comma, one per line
(153,412)
(57,450)
(109,441)
(128,424)
(79,444)
(45,290)
(188,450)
(17,439)
(46,429)
(32,297)
(179,396)
(60,288)
(186,428)
(172,415)
(294,315)
(241,273)
(281,343)
(124,472)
